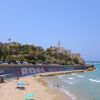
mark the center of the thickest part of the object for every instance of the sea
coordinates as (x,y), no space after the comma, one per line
(78,86)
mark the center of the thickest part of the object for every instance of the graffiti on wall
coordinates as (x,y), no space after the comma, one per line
(2,71)
(26,71)
(30,70)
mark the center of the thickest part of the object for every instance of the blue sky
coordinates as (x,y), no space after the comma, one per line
(76,23)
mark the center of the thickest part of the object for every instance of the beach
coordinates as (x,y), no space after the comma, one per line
(44,86)
(36,85)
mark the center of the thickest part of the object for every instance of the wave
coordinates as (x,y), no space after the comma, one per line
(69,94)
(94,80)
(96,63)
(64,80)
(70,78)
(60,77)
(80,76)
(68,82)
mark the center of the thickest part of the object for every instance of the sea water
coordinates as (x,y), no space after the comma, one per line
(79,86)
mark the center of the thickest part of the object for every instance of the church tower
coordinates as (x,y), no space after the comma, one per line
(59,43)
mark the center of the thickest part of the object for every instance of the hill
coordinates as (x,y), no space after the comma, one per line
(14,51)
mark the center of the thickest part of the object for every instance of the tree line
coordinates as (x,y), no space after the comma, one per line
(14,51)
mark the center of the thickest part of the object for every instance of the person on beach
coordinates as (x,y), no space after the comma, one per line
(17,78)
(2,80)
(57,85)
(54,85)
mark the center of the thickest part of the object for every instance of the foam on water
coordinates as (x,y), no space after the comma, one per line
(71,83)
(69,94)
(64,80)
(70,78)
(94,80)
(60,76)
(80,76)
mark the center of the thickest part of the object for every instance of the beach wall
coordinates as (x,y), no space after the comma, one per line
(9,71)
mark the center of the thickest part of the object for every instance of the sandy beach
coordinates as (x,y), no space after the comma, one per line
(36,85)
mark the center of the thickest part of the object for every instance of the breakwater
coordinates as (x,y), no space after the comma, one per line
(65,72)
(59,73)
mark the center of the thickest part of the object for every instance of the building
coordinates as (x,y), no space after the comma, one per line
(60,50)
(78,56)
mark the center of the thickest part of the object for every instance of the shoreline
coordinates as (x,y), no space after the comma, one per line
(61,90)
(59,95)
(67,93)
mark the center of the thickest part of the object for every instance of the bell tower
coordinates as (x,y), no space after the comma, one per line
(59,43)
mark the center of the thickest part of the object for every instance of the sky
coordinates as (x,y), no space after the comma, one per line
(76,23)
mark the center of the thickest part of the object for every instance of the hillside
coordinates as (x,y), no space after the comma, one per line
(14,51)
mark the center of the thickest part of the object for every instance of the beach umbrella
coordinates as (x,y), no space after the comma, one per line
(29,96)
(20,83)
